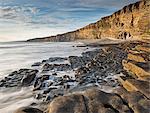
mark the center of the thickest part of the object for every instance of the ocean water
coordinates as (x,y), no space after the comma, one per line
(16,55)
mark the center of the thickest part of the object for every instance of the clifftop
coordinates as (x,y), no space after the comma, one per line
(131,21)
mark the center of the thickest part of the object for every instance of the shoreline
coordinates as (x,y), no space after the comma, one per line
(96,68)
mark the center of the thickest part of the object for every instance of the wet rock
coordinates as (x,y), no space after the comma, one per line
(44,61)
(18,78)
(66,86)
(48,98)
(76,61)
(91,54)
(50,82)
(48,90)
(62,67)
(38,96)
(44,77)
(28,110)
(13,73)
(55,74)
(47,67)
(66,77)
(53,94)
(3,80)
(36,64)
(58,79)
(80,71)
(57,67)
(58,59)
(28,77)
(33,104)
(1,84)
(37,86)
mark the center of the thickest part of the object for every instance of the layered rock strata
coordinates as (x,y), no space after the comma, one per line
(131,21)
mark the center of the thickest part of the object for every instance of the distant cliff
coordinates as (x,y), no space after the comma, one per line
(132,21)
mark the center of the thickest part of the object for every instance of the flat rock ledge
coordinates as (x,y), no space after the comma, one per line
(89,101)
(94,100)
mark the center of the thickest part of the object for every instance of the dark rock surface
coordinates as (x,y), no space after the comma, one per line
(94,100)
(28,77)
(91,101)
(57,67)
(36,64)
(68,104)
(28,110)
(58,59)
(22,77)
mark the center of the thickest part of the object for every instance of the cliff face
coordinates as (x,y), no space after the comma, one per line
(133,21)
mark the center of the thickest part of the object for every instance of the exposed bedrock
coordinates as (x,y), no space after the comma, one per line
(90,101)
(22,77)
(131,21)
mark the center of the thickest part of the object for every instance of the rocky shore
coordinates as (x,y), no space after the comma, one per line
(109,79)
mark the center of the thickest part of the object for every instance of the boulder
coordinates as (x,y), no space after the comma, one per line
(96,97)
(28,77)
(68,104)
(90,101)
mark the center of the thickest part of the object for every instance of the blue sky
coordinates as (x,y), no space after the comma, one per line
(24,19)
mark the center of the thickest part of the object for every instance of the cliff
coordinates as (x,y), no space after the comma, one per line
(132,21)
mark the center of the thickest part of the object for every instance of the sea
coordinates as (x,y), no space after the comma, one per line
(17,55)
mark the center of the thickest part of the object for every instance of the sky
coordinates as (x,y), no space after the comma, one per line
(25,19)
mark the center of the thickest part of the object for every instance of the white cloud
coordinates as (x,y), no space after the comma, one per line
(17,13)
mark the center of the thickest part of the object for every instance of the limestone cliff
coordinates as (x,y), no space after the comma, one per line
(132,21)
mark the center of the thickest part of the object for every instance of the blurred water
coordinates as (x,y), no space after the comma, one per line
(16,55)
